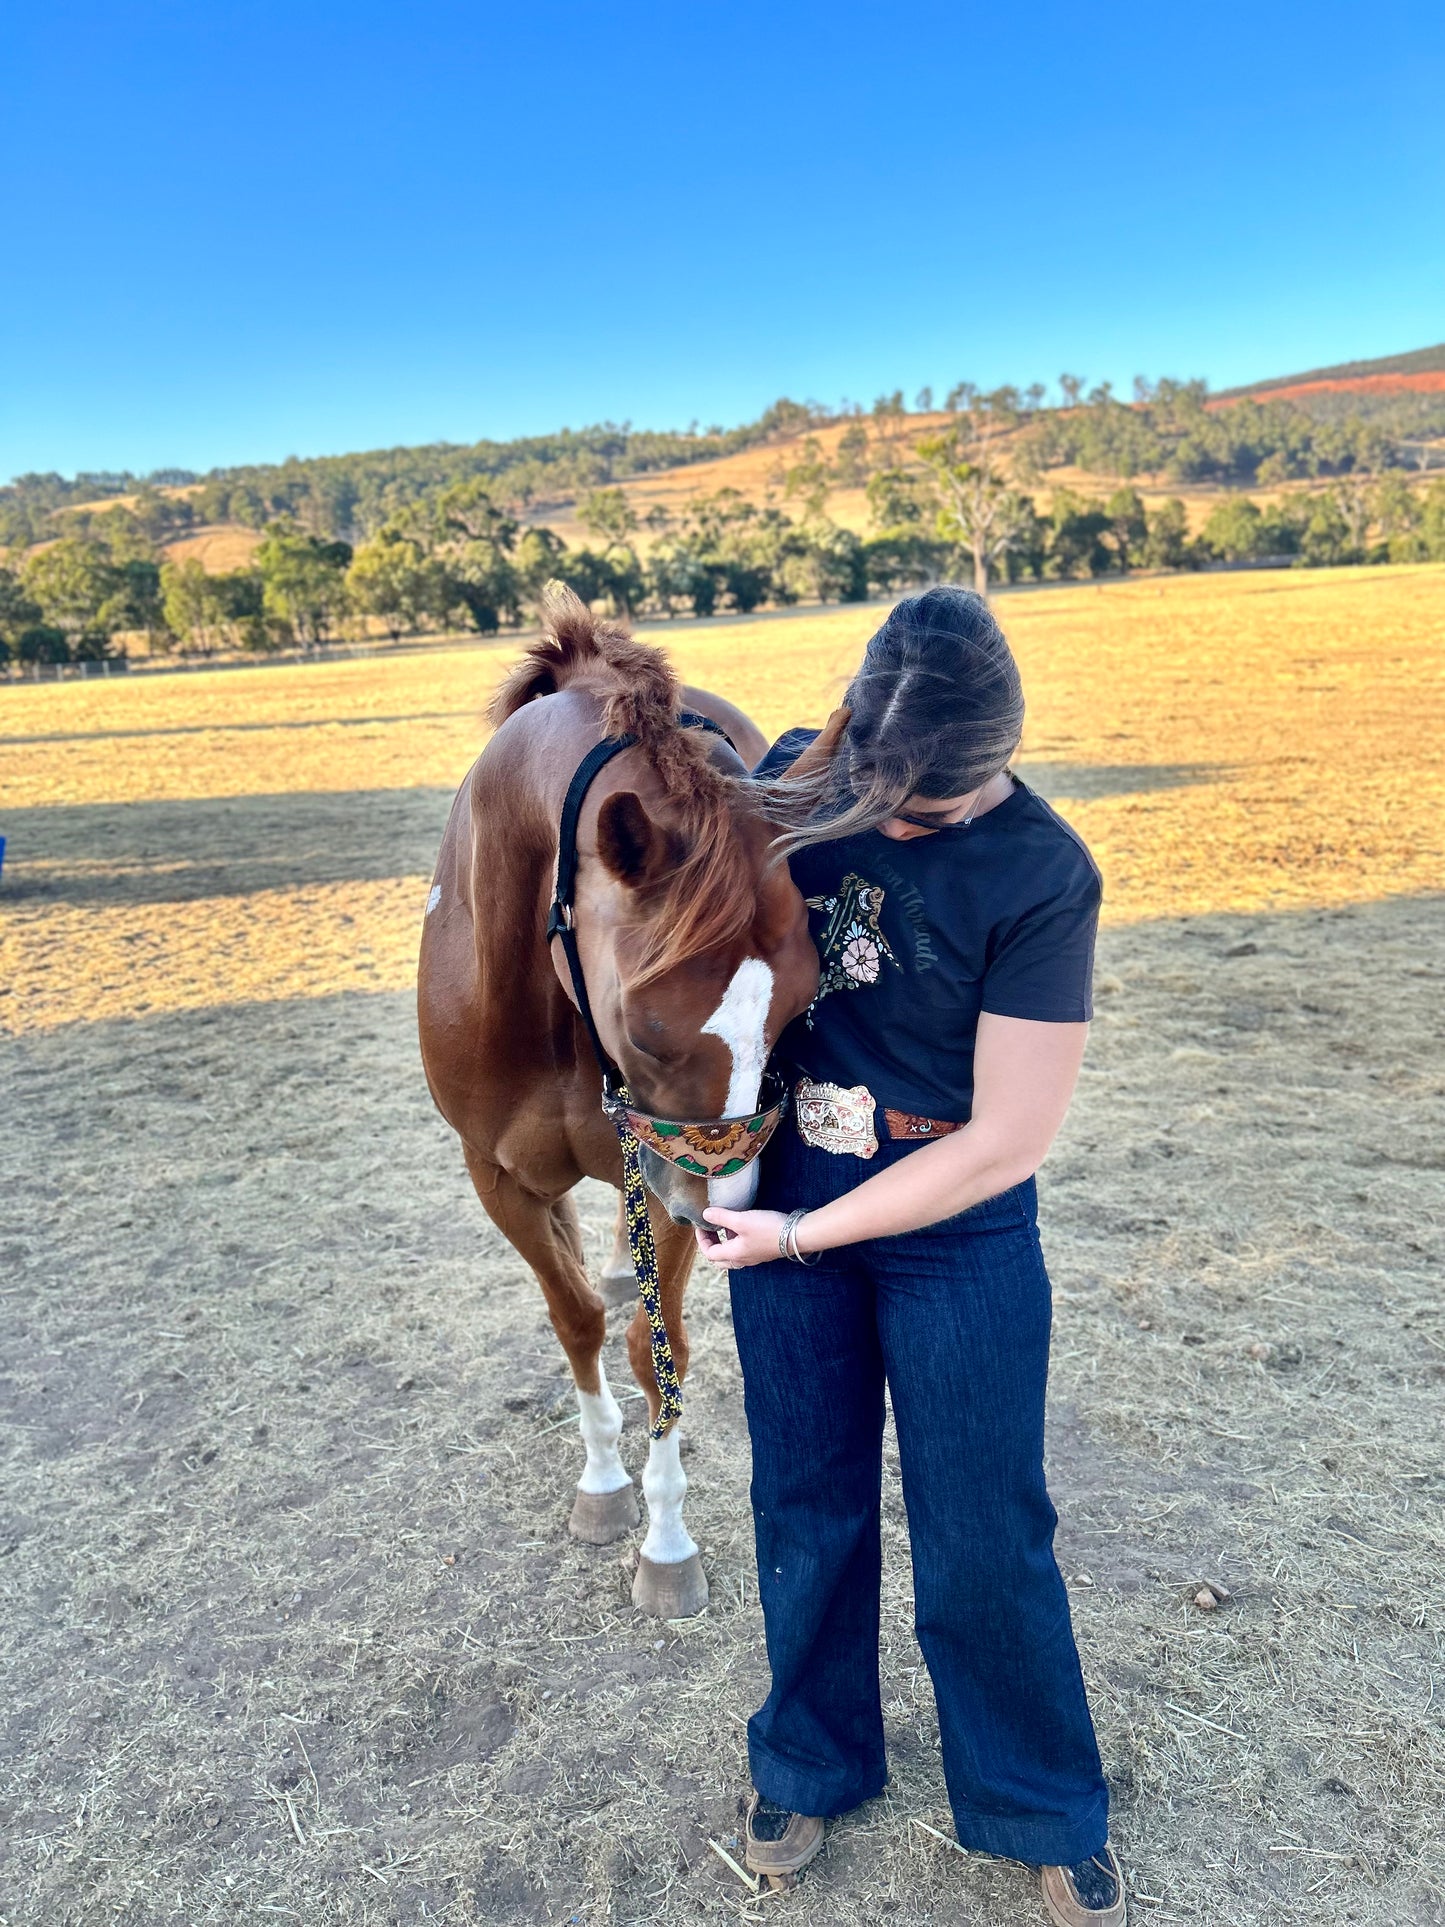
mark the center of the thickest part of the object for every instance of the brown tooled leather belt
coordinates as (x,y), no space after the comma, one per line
(835,1117)
(906,1124)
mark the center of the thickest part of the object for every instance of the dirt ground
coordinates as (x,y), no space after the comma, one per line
(291,1626)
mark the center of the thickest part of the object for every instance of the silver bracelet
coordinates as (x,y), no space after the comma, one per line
(788,1239)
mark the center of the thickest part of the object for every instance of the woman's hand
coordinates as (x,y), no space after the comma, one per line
(752,1237)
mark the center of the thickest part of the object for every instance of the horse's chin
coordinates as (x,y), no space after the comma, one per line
(685,1198)
(735,1193)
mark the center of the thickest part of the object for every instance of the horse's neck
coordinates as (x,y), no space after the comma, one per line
(515,819)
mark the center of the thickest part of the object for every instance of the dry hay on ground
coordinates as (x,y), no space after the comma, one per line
(291,1625)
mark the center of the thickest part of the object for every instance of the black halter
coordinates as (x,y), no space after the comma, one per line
(561,923)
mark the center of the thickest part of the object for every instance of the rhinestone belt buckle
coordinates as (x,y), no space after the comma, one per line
(832,1118)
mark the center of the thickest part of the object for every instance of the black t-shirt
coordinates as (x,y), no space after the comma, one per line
(917,937)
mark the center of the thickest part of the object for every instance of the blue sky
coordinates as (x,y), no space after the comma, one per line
(238,232)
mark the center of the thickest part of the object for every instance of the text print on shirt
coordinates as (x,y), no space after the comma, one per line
(910,898)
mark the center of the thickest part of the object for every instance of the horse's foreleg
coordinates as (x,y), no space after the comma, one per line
(549,1237)
(670,1581)
(619,1280)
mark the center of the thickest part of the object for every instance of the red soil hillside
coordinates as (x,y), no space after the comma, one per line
(1420,373)
(1422,384)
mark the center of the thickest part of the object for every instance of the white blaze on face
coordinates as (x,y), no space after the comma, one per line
(741,1020)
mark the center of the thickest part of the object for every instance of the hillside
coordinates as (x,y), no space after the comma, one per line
(804,504)
(218,548)
(759,475)
(543,478)
(1403,396)
(1423,369)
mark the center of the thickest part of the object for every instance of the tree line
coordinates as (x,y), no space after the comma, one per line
(349,497)
(1169,428)
(461,560)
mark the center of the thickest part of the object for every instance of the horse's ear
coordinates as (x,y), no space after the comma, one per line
(822,749)
(636,850)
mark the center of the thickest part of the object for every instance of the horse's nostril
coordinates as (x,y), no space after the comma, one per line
(680,1217)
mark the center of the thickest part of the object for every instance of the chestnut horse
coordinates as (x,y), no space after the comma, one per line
(695,954)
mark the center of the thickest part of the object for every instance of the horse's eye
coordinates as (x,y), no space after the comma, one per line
(651,1038)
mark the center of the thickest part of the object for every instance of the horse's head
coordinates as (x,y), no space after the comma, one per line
(697,955)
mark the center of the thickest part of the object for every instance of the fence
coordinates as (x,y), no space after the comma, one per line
(63,671)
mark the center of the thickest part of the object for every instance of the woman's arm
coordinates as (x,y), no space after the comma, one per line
(1024,1075)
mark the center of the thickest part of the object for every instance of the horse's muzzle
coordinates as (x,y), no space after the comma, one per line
(683,1198)
(735,1193)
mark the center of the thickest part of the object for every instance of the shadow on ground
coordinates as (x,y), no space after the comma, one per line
(1086,781)
(292,1623)
(174,852)
(230,729)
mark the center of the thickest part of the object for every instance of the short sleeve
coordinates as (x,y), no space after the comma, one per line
(784,753)
(1043,967)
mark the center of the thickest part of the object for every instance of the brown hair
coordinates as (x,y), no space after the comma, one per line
(710,897)
(937,708)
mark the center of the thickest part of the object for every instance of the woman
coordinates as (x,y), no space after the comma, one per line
(895,1242)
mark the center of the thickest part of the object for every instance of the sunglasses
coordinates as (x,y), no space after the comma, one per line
(935,822)
(707,1147)
(939,820)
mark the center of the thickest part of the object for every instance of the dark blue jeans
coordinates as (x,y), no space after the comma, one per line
(955,1318)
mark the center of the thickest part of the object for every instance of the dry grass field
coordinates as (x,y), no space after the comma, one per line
(291,1626)
(218,547)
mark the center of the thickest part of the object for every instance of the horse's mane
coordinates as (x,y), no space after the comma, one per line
(710,898)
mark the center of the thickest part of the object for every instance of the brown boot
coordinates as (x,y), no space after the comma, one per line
(1088,1895)
(779,1844)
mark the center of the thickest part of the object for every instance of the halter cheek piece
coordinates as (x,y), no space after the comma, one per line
(705,1147)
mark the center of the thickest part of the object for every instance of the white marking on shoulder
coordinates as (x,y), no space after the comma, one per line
(741,1021)
(434,899)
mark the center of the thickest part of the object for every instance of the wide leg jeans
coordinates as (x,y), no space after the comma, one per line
(955,1320)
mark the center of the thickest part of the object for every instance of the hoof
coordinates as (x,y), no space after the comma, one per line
(600,1517)
(670,1592)
(618,1287)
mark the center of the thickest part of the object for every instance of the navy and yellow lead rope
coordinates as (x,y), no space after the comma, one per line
(642,1247)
